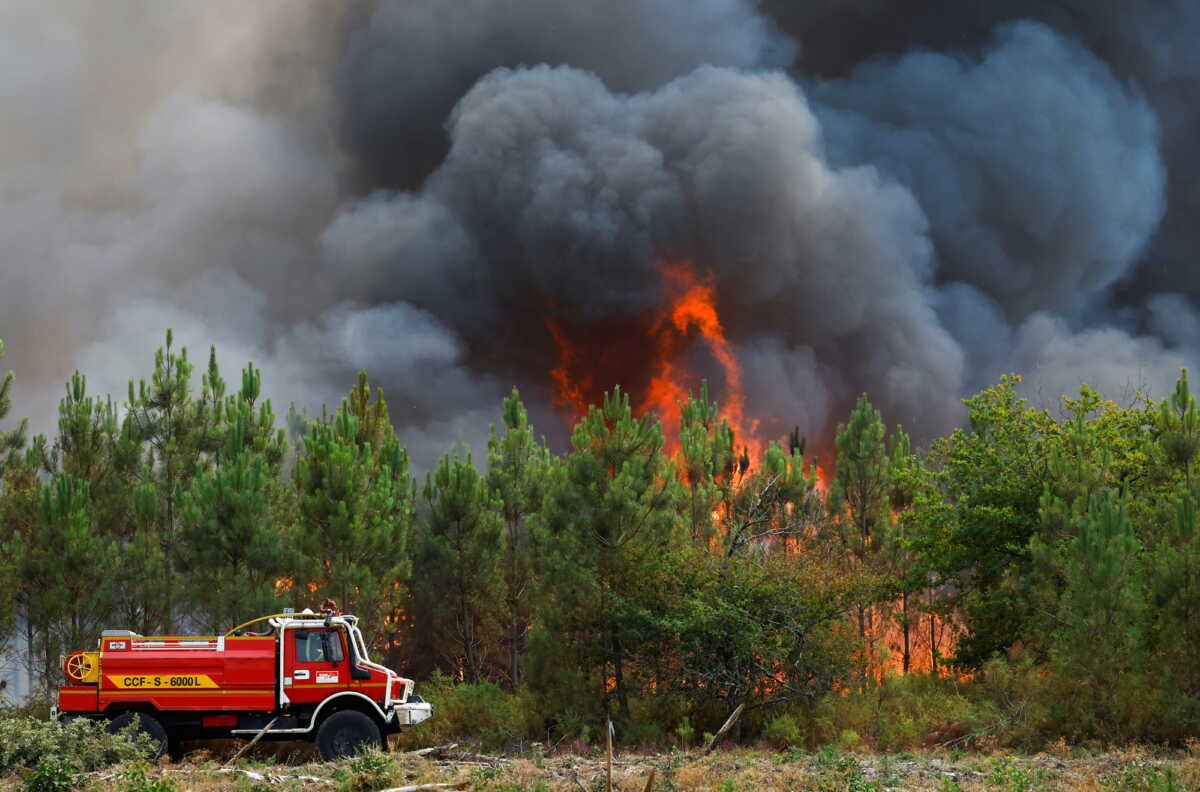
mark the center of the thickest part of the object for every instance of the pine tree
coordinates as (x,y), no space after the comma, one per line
(859,496)
(95,447)
(863,479)
(1173,573)
(355,498)
(906,477)
(517,468)
(175,429)
(461,538)
(1079,464)
(1179,427)
(18,484)
(12,439)
(235,544)
(709,463)
(610,518)
(66,566)
(1101,610)
(772,507)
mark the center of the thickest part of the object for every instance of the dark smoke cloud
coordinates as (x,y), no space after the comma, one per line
(1040,172)
(1149,49)
(407,64)
(577,193)
(929,194)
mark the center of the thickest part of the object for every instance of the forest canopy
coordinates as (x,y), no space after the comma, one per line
(1034,570)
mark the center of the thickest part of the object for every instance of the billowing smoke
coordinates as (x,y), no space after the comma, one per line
(905,198)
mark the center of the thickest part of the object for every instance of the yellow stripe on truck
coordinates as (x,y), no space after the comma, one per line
(160,681)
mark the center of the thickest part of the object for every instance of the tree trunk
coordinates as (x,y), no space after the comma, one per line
(933,661)
(514,624)
(618,662)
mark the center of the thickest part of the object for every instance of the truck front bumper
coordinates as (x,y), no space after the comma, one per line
(411,713)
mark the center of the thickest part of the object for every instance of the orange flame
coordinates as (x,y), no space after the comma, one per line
(599,355)
(568,394)
(692,305)
(928,634)
(823,479)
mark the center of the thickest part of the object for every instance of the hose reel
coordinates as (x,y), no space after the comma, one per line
(82,668)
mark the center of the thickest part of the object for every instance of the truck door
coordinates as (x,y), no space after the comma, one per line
(314,663)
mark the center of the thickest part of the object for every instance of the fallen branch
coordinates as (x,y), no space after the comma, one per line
(272,778)
(435,750)
(250,744)
(467,756)
(428,787)
(737,713)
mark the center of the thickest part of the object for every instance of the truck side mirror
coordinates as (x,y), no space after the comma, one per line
(327,647)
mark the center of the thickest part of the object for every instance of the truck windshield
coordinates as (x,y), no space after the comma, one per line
(310,648)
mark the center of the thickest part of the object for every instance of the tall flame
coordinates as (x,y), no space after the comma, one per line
(568,393)
(688,312)
(692,306)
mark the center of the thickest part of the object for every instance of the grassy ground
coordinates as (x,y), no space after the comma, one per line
(723,771)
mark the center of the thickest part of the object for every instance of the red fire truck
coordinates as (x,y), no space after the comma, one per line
(290,676)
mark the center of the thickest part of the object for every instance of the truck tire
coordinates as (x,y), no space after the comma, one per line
(346,733)
(147,725)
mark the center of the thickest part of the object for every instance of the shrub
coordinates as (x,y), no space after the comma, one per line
(643,736)
(482,713)
(136,779)
(25,742)
(52,774)
(684,731)
(782,732)
(371,769)
(902,713)
(1136,777)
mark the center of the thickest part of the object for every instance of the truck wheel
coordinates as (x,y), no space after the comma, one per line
(346,733)
(147,725)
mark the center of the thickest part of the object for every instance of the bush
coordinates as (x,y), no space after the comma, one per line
(482,713)
(902,713)
(371,769)
(782,732)
(52,774)
(136,779)
(643,736)
(25,742)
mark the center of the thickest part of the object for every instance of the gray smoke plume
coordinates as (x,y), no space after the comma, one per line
(906,198)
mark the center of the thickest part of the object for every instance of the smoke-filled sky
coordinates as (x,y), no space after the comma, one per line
(904,197)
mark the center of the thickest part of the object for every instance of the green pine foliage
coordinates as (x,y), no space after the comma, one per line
(518,464)
(709,461)
(12,439)
(354,511)
(1096,643)
(63,559)
(602,541)
(863,479)
(1031,575)
(459,605)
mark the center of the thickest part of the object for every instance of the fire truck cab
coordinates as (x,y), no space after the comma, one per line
(290,676)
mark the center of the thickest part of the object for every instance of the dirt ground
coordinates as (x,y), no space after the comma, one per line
(723,771)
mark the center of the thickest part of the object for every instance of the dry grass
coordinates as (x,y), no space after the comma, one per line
(1060,768)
